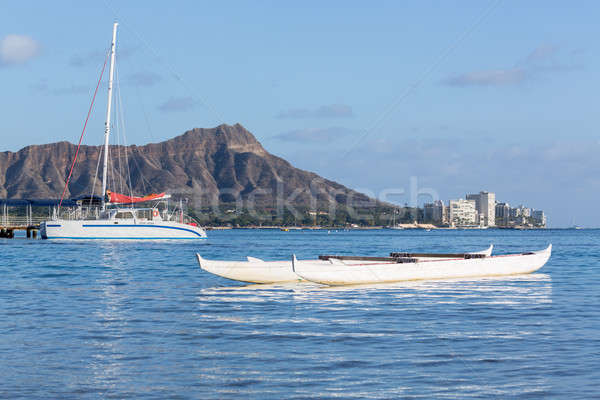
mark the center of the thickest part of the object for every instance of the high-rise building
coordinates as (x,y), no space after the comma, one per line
(485,203)
(539,217)
(435,212)
(462,212)
(520,211)
(502,213)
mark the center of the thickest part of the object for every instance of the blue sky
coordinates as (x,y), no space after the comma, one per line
(461,96)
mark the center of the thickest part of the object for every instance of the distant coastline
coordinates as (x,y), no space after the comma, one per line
(366,227)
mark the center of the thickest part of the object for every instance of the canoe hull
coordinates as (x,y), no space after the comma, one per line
(251,271)
(340,274)
(258,271)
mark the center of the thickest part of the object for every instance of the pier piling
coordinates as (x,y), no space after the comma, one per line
(8,232)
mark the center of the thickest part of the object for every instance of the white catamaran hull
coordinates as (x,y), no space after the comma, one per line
(256,270)
(344,274)
(108,229)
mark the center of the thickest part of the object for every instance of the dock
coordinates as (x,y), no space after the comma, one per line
(8,231)
(10,223)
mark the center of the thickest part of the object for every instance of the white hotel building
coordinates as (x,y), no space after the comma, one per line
(462,212)
(485,203)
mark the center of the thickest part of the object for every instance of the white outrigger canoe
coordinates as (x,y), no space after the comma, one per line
(255,270)
(339,272)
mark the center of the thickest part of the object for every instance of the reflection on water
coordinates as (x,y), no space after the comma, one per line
(109,318)
(505,289)
(411,327)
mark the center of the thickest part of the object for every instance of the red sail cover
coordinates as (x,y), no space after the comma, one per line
(121,198)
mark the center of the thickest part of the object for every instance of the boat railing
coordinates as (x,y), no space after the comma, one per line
(79,213)
(178,216)
(142,214)
(10,220)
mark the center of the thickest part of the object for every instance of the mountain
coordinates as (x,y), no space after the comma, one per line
(207,166)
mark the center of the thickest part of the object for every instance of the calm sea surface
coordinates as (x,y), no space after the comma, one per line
(141,320)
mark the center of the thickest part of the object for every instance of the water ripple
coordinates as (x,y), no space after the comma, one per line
(140,320)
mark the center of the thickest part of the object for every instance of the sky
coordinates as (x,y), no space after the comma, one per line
(406,101)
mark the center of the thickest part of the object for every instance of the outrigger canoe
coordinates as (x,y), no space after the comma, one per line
(402,267)
(255,270)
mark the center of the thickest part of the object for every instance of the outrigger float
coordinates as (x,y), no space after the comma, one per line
(356,269)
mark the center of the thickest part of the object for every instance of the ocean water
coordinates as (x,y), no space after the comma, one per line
(141,320)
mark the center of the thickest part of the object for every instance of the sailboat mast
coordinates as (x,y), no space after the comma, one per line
(108,109)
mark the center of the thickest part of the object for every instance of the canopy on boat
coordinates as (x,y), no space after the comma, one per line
(121,198)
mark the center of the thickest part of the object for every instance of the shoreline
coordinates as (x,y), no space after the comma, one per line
(424,227)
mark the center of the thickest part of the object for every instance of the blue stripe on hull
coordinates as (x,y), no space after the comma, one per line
(141,226)
(125,238)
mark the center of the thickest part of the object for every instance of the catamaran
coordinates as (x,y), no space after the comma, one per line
(116,218)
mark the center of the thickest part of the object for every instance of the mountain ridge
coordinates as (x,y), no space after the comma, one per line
(224,164)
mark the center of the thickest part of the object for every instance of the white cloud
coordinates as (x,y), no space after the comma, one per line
(315,135)
(326,111)
(177,104)
(144,79)
(95,58)
(334,111)
(43,88)
(542,60)
(542,54)
(84,60)
(295,113)
(497,77)
(17,49)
